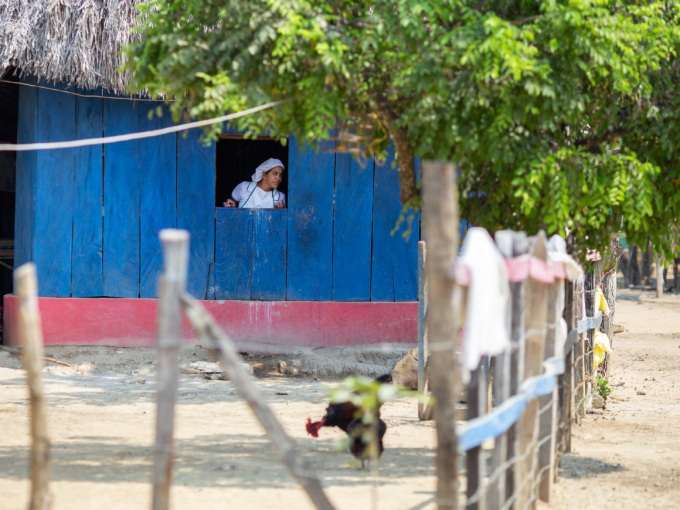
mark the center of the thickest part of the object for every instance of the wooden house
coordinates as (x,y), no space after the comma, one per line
(324,272)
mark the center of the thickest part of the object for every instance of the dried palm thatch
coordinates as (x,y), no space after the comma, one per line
(78,42)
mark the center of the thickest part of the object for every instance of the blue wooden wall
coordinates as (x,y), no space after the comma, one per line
(90,217)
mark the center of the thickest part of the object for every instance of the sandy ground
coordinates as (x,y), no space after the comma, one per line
(101,419)
(102,413)
(629,457)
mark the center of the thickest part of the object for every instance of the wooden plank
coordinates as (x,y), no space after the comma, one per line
(352,229)
(158,192)
(196,206)
(476,398)
(233,253)
(579,358)
(54,192)
(394,260)
(536,294)
(86,277)
(547,434)
(310,224)
(269,255)
(24,219)
(512,244)
(121,200)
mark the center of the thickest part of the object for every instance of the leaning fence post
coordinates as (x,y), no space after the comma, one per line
(171,287)
(580,352)
(216,339)
(440,214)
(30,335)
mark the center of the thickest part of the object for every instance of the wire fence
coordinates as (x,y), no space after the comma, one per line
(519,405)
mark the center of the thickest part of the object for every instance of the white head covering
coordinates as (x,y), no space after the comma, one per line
(265,167)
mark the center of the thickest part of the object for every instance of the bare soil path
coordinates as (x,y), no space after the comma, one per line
(629,457)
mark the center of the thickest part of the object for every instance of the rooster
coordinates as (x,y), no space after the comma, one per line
(349,418)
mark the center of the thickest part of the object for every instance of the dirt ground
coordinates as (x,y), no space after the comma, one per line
(102,412)
(629,456)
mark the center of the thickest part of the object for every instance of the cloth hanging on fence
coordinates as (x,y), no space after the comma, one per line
(485,332)
(602,346)
(557,252)
(601,302)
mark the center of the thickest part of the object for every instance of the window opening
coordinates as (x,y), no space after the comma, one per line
(237,158)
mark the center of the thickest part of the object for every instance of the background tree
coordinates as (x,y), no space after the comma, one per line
(561,115)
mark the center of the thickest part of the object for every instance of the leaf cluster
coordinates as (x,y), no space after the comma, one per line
(562,115)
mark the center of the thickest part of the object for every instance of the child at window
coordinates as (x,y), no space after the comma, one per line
(262,192)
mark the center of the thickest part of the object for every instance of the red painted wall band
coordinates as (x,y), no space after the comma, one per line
(257,325)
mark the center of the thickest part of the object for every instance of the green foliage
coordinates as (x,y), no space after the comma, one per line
(603,388)
(562,115)
(368,395)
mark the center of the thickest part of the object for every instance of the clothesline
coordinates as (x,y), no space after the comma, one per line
(134,136)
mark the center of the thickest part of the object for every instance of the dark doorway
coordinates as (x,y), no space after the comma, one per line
(237,159)
(9,118)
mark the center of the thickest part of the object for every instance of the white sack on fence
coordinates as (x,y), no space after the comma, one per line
(485,332)
(557,252)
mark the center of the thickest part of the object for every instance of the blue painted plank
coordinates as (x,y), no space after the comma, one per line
(86,274)
(54,192)
(233,253)
(352,229)
(158,192)
(24,219)
(196,206)
(121,200)
(269,254)
(394,272)
(310,224)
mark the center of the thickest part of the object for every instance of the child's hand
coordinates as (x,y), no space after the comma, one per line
(279,204)
(229,203)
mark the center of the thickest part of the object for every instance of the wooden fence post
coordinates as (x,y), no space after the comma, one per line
(216,339)
(171,287)
(547,436)
(475,464)
(580,353)
(591,284)
(536,313)
(30,335)
(566,380)
(425,409)
(440,214)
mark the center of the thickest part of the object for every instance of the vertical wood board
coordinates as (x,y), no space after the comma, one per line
(86,274)
(269,255)
(24,219)
(196,205)
(56,121)
(158,193)
(394,260)
(352,229)
(233,253)
(310,224)
(121,200)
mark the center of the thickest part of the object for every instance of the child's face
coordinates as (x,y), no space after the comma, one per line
(273,178)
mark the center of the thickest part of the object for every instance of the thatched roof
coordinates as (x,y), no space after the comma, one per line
(74,41)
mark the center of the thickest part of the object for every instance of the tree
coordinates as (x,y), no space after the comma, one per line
(561,115)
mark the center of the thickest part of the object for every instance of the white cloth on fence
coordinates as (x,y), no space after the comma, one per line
(486,330)
(557,252)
